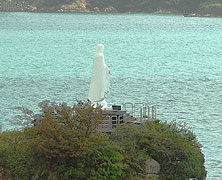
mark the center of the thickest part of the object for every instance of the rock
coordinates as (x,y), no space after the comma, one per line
(110,9)
(152,168)
(78,6)
(96,9)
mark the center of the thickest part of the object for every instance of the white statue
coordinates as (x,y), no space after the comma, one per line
(99,85)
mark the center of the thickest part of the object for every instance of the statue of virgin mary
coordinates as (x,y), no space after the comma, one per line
(99,86)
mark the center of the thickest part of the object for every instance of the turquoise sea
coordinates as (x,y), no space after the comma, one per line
(167,60)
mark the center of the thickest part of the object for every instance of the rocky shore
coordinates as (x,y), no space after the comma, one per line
(83,6)
(80,6)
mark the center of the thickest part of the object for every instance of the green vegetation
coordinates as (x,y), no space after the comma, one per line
(64,144)
(172,145)
(211,7)
(113,6)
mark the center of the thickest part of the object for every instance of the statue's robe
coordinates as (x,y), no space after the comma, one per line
(99,85)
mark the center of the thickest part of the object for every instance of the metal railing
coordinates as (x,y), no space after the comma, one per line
(143,111)
(138,110)
(130,113)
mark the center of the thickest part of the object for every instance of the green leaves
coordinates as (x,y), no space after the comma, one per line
(171,144)
(64,144)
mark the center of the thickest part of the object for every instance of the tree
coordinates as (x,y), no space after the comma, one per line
(64,143)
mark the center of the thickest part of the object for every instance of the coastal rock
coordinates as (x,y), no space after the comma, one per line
(96,9)
(78,6)
(110,9)
(152,168)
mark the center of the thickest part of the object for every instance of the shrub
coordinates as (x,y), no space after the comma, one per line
(17,156)
(63,144)
(171,144)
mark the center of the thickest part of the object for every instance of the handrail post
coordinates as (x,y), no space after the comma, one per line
(148,112)
(154,112)
(141,115)
(144,112)
(132,107)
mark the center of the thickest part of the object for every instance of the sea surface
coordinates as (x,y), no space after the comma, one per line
(166,60)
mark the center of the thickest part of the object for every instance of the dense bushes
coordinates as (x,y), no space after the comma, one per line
(64,144)
(172,145)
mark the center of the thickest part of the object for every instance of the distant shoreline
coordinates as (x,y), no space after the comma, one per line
(189,9)
(93,12)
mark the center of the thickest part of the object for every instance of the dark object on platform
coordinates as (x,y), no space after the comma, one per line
(116,107)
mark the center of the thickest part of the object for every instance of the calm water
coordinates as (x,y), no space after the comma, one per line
(171,61)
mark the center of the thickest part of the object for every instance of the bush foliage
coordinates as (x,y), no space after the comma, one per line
(171,144)
(64,144)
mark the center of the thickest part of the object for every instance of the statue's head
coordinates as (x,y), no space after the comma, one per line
(100,48)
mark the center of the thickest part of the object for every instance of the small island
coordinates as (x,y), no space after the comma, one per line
(189,8)
(65,144)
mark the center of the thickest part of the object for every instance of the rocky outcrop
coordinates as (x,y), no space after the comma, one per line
(78,6)
(110,9)
(152,168)
(205,9)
